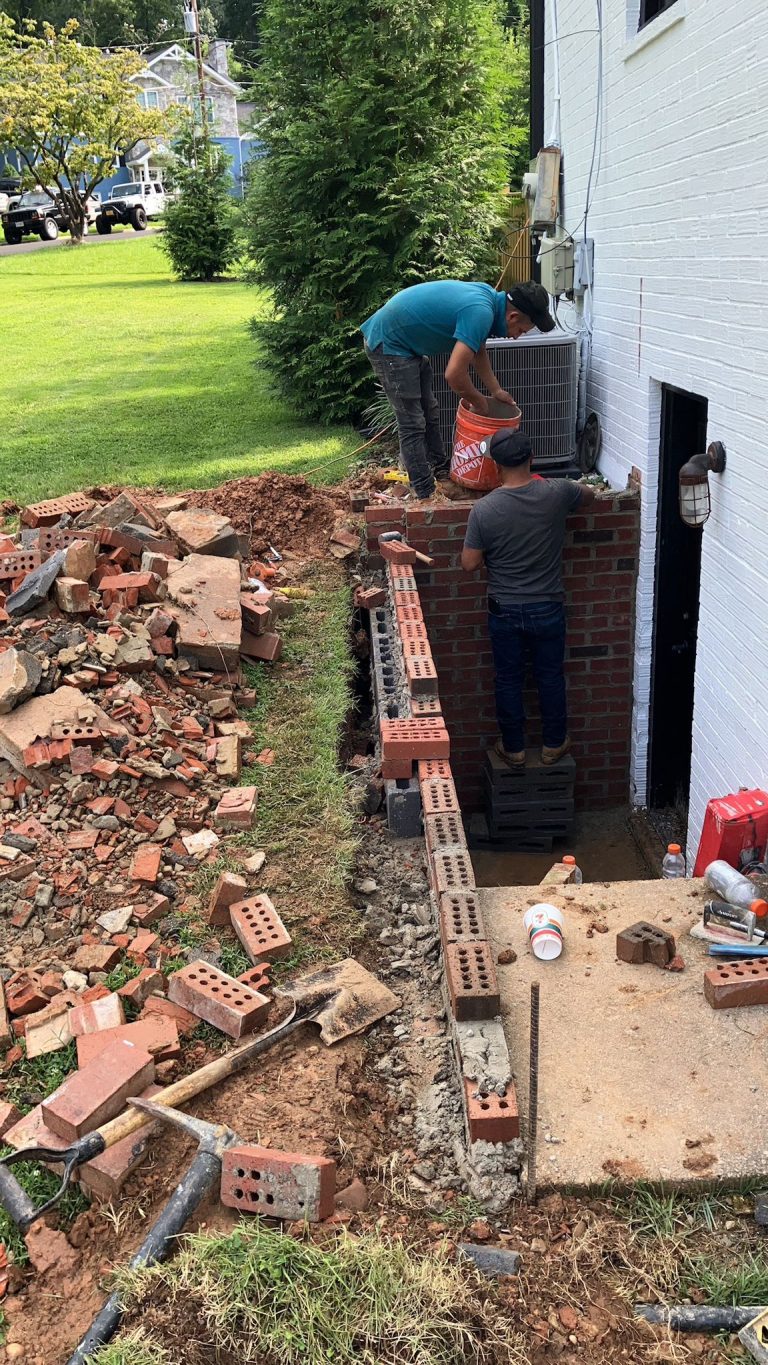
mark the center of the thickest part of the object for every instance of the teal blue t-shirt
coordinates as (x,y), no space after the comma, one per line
(429,318)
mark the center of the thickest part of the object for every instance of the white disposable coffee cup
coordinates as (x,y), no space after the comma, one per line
(545,926)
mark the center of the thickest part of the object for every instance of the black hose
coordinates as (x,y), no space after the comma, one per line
(697,1319)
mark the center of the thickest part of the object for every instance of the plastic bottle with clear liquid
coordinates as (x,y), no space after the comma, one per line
(732,887)
(576,876)
(674,862)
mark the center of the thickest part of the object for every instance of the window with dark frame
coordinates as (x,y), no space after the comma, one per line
(651,9)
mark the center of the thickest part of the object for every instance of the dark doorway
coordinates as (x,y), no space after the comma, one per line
(676,604)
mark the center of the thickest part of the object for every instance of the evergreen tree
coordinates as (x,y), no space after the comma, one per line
(200,237)
(386,157)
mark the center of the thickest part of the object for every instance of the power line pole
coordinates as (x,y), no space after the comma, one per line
(192,25)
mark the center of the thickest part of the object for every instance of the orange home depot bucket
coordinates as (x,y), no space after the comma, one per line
(471,465)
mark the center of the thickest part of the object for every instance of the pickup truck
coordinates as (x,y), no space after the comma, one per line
(40,212)
(133,203)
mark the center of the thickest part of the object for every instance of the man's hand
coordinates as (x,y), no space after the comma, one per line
(479,404)
(501,396)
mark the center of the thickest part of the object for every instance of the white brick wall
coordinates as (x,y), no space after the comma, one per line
(681,278)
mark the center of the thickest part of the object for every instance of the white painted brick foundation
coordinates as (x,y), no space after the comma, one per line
(681,275)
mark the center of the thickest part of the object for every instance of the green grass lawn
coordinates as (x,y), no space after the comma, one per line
(113,372)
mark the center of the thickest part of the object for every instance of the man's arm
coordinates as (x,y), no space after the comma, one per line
(588,497)
(457,377)
(482,368)
(471,560)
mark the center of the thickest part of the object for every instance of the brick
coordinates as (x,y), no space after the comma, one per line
(443,829)
(105,768)
(406,597)
(217,998)
(79,559)
(267,647)
(414,739)
(31,1131)
(90,1097)
(257,977)
(278,1184)
(5,1030)
(257,615)
(145,865)
(229,757)
(395,552)
(430,769)
(229,889)
(93,957)
(236,809)
(643,942)
(420,674)
(186,1022)
(409,616)
(438,796)
(732,985)
(104,1013)
(78,733)
(411,632)
(153,908)
(471,980)
(422,706)
(397,769)
(367,599)
(452,871)
(491,1117)
(156,1034)
(72,595)
(9,1115)
(460,918)
(104,1176)
(260,929)
(48,1031)
(24,993)
(138,990)
(145,584)
(402,580)
(50,511)
(19,563)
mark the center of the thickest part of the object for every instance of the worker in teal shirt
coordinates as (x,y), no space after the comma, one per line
(444,315)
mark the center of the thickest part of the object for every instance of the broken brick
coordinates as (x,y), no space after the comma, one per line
(219,999)
(257,614)
(93,957)
(104,1175)
(145,866)
(138,990)
(643,942)
(9,1115)
(98,1092)
(151,910)
(185,1021)
(267,647)
(153,1033)
(278,1184)
(260,929)
(72,595)
(104,1013)
(229,889)
(236,809)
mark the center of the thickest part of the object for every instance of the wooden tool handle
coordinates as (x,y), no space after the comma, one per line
(423,559)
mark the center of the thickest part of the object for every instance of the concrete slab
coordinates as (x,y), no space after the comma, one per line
(639,1079)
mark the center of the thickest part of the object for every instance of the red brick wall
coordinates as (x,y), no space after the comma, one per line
(600,569)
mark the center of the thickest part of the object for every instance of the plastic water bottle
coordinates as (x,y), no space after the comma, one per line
(731,886)
(674,862)
(576,877)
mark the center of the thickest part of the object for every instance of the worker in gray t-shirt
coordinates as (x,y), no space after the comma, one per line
(517,532)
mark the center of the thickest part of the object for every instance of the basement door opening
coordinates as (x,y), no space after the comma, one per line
(676,607)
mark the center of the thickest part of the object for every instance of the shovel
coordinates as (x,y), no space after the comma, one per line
(343,999)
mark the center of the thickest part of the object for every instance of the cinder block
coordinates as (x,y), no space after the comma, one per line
(732,985)
(104,1013)
(217,998)
(460,918)
(403,804)
(90,1097)
(414,739)
(491,1117)
(260,929)
(452,872)
(278,1184)
(471,979)
(229,889)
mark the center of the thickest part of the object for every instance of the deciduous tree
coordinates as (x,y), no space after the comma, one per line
(68,110)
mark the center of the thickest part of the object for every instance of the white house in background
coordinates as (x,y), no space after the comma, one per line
(672,98)
(170,78)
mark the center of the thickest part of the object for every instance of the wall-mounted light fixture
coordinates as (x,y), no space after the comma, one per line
(694,483)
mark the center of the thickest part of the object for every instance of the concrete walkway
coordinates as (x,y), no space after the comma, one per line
(93,239)
(639,1078)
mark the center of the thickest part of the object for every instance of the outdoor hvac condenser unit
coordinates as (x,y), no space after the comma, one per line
(542,374)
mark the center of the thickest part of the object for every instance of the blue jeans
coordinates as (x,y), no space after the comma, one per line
(407,382)
(535,631)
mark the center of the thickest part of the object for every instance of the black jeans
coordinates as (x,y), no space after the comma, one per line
(536,631)
(407,382)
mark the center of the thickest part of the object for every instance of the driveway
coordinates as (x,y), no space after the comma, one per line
(93,239)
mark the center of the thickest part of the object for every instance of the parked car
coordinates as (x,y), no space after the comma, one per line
(10,189)
(133,203)
(41,212)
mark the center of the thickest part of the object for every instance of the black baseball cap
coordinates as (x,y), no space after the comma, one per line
(510,448)
(533,300)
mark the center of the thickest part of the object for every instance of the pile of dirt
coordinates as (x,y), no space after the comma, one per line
(280,510)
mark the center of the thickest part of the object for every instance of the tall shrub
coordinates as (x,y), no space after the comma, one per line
(386,155)
(200,237)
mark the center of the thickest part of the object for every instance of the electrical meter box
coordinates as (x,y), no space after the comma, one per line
(556,264)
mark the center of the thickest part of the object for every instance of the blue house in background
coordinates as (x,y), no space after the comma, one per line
(170,78)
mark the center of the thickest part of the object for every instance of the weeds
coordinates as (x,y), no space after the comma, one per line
(119,975)
(33,1079)
(259,1296)
(233,960)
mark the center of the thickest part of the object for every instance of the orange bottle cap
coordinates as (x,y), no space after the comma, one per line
(759,908)
(673,848)
(569,859)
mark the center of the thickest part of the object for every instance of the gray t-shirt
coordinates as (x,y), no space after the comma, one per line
(521,532)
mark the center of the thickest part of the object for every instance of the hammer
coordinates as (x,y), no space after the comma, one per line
(398,535)
(203,1176)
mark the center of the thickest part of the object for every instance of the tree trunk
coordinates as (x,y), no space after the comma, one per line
(78,226)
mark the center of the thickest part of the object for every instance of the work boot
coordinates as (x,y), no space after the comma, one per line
(550,756)
(515,759)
